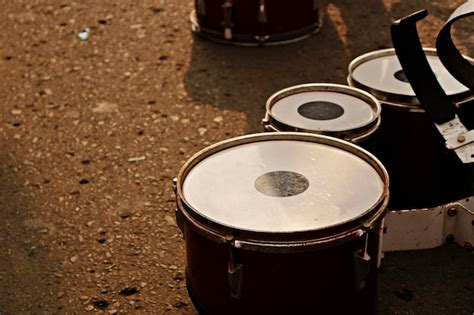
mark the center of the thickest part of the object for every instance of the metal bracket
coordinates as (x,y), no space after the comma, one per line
(227,22)
(235,271)
(262,12)
(458,138)
(430,227)
(361,265)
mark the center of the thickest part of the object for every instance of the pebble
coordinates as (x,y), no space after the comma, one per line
(156,8)
(137,159)
(202,131)
(105,107)
(125,214)
(16,112)
(169,220)
(89,308)
(218,119)
(73,259)
(83,298)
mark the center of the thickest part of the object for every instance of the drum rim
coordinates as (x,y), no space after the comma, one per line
(282,241)
(405,102)
(252,40)
(355,135)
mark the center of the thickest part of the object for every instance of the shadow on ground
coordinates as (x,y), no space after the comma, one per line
(28,283)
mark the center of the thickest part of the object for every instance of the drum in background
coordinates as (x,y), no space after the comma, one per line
(255,22)
(282,223)
(423,173)
(330,109)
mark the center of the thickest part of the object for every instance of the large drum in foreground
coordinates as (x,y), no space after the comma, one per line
(330,109)
(423,173)
(282,223)
(255,22)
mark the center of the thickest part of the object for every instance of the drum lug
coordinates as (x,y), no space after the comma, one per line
(361,265)
(227,23)
(201,7)
(179,220)
(235,271)
(175,185)
(262,12)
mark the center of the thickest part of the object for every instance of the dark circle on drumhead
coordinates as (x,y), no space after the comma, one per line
(401,76)
(281,184)
(320,110)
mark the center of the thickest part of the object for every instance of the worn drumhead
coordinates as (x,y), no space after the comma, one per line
(283,185)
(380,71)
(324,107)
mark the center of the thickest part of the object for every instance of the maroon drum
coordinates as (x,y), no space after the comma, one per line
(282,223)
(255,22)
(423,173)
(330,109)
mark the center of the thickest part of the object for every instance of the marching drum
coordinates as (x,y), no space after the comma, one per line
(282,223)
(423,173)
(330,109)
(255,22)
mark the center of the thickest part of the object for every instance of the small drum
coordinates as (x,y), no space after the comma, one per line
(423,173)
(282,223)
(255,22)
(335,110)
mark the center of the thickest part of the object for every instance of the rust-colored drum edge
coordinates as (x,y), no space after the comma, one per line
(255,40)
(403,102)
(355,135)
(281,242)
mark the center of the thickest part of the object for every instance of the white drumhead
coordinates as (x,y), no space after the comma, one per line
(323,111)
(384,73)
(282,186)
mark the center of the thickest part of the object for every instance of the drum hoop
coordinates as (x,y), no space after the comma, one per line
(283,241)
(403,102)
(355,135)
(253,40)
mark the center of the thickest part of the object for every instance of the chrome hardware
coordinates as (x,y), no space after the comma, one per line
(262,12)
(227,23)
(361,265)
(235,271)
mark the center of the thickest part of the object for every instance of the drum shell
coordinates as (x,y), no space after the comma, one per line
(423,173)
(308,282)
(283,22)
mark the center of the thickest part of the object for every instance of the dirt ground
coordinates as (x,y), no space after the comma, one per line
(92,133)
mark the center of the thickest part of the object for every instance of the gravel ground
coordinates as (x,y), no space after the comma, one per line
(92,132)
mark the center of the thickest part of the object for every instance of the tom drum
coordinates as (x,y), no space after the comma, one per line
(255,22)
(282,223)
(330,109)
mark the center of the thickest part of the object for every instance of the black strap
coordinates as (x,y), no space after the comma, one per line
(417,69)
(449,55)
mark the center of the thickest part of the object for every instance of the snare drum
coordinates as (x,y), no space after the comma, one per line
(423,172)
(255,22)
(282,223)
(335,110)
